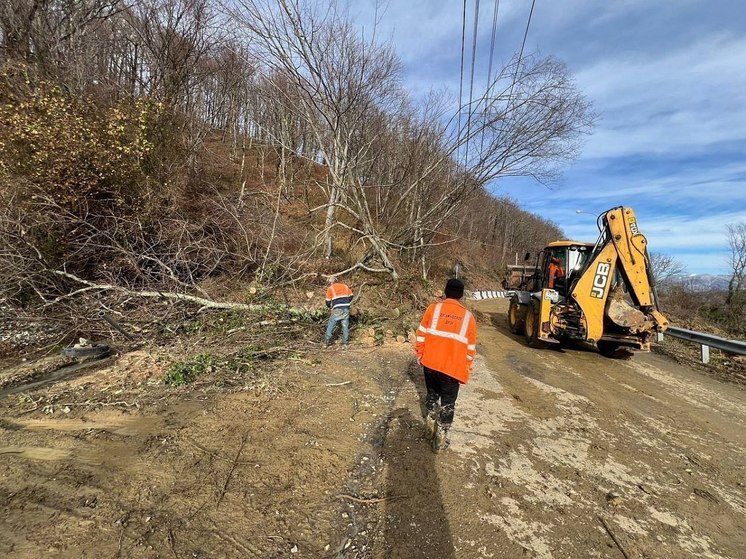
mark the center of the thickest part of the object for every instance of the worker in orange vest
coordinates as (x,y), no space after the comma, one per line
(446,346)
(556,271)
(338,299)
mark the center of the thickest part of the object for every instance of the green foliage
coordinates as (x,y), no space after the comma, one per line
(229,321)
(379,336)
(404,327)
(365,318)
(241,362)
(704,310)
(276,310)
(249,351)
(191,327)
(226,322)
(72,148)
(310,315)
(184,372)
(269,273)
(244,360)
(732,318)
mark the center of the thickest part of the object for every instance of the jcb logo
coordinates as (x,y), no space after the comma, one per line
(600,280)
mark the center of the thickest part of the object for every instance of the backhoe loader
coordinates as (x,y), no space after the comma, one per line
(600,293)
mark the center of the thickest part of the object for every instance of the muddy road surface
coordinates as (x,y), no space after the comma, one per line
(558,454)
(554,454)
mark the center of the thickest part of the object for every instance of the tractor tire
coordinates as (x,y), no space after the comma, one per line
(532,326)
(515,322)
(95,351)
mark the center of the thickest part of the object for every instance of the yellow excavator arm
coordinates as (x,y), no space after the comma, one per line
(605,294)
(621,248)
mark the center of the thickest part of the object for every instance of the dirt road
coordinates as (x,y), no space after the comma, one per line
(555,451)
(554,455)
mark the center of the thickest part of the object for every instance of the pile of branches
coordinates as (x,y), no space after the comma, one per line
(150,147)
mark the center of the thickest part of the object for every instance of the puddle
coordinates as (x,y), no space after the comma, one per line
(116,426)
(35,452)
(52,454)
(53,376)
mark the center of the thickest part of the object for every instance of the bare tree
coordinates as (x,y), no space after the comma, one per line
(398,174)
(531,125)
(737,262)
(665,267)
(52,34)
(341,81)
(390,183)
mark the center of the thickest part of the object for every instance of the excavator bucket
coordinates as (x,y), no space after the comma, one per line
(621,313)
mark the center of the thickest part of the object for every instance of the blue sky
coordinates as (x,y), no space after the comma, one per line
(667,78)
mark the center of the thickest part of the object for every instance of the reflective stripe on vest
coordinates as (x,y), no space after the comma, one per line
(338,296)
(347,292)
(436,316)
(460,337)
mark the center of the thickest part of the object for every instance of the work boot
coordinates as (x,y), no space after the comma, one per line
(430,426)
(441,441)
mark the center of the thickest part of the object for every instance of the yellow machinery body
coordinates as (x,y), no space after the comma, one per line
(600,293)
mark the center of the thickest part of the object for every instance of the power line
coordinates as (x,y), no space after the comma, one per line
(528,24)
(520,55)
(489,72)
(492,44)
(471,84)
(461,81)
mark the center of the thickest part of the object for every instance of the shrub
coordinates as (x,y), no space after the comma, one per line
(72,149)
(184,372)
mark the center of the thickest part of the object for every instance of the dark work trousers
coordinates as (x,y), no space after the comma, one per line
(444,388)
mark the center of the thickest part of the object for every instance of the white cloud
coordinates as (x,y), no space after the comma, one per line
(417,28)
(680,186)
(688,99)
(655,95)
(673,187)
(699,243)
(668,81)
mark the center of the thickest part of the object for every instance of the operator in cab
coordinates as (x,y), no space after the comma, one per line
(556,271)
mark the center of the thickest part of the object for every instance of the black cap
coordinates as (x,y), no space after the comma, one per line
(454,289)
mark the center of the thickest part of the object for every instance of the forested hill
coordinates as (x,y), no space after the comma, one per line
(182,146)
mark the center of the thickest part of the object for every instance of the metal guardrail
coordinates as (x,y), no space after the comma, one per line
(706,341)
(478,295)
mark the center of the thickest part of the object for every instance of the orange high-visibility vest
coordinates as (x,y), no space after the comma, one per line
(555,271)
(339,295)
(447,339)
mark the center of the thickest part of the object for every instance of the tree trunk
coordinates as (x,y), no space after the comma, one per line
(329,222)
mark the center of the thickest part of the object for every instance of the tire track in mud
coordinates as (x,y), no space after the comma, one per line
(546,442)
(174,478)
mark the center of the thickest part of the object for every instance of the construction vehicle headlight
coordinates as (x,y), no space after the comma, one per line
(551,295)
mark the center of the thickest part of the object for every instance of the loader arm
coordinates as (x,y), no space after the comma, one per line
(621,247)
(631,249)
(592,289)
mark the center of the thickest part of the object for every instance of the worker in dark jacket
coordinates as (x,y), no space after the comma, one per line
(446,346)
(338,299)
